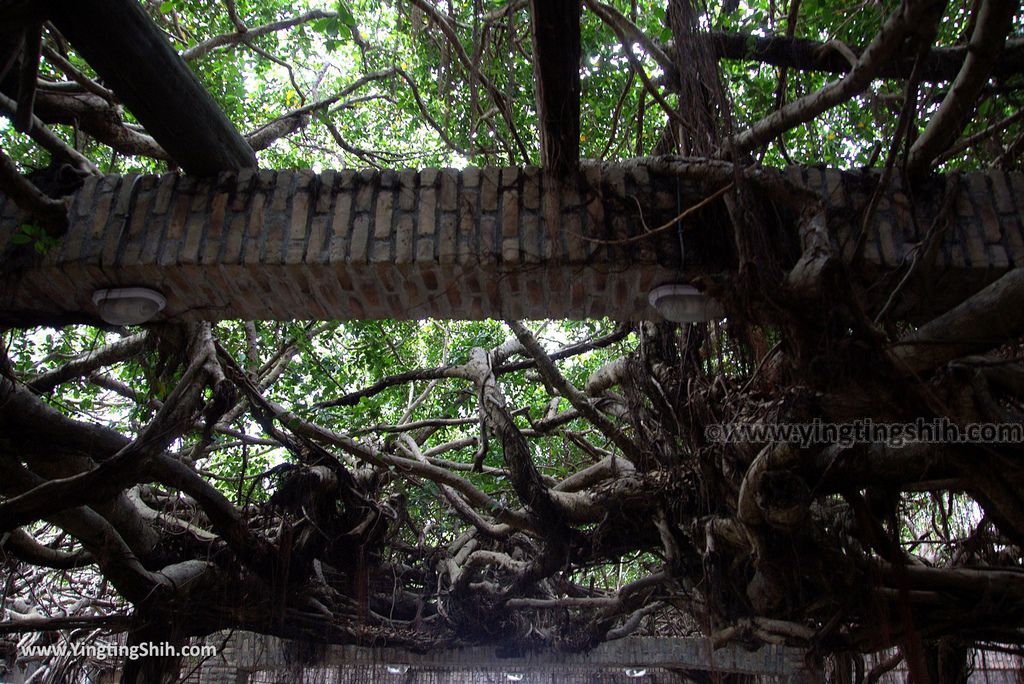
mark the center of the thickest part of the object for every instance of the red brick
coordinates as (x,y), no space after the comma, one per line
(243,190)
(215,230)
(975,242)
(981,196)
(510,213)
(283,181)
(84,198)
(887,240)
(425,250)
(324,192)
(1017,183)
(510,251)
(449,189)
(360,238)
(189,253)
(490,180)
(1001,192)
(490,241)
(140,223)
(530,238)
(1014,239)
(836,189)
(366,186)
(427,218)
(998,257)
(407,190)
(234,240)
(447,250)
(385,210)
(171,244)
(531,188)
(340,226)
(404,238)
(468,237)
(317,237)
(255,231)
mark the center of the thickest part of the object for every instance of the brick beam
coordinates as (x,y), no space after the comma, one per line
(492,242)
(249,652)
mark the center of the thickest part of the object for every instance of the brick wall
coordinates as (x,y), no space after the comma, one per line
(250,658)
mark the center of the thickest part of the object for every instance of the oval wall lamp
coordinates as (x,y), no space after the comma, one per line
(128,305)
(685,304)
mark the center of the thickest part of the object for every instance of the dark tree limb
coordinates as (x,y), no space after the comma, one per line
(986,320)
(994,22)
(555,27)
(497,97)
(353,398)
(51,213)
(140,65)
(121,469)
(27,549)
(115,352)
(526,480)
(32,45)
(578,400)
(882,49)
(939,64)
(227,40)
(97,117)
(77,76)
(59,150)
(110,623)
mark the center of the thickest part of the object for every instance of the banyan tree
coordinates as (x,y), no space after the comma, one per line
(406,381)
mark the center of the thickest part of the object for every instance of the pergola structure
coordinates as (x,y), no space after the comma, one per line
(228,241)
(570,239)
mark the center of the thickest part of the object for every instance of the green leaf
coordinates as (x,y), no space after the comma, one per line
(345,15)
(21,239)
(166,7)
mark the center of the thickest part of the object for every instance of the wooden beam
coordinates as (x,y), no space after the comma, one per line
(555,27)
(135,59)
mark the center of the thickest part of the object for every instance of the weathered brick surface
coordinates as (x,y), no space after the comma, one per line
(242,654)
(475,243)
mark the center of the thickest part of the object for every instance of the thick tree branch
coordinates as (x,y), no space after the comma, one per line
(59,150)
(994,21)
(938,65)
(983,321)
(881,50)
(27,549)
(227,40)
(115,352)
(51,213)
(578,400)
